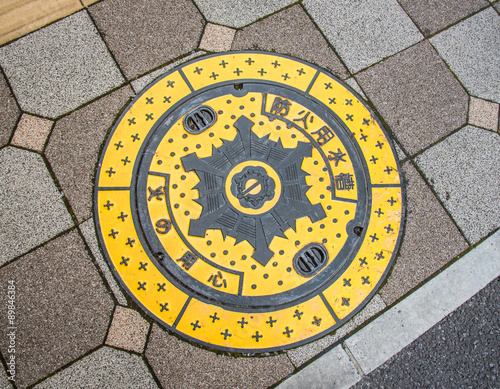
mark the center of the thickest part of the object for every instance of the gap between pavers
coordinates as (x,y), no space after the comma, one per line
(405,322)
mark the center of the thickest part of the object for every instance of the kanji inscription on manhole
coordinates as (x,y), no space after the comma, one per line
(249,201)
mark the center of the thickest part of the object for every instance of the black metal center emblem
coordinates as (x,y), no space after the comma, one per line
(253,187)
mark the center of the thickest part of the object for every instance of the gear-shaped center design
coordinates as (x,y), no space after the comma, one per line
(253,187)
(218,212)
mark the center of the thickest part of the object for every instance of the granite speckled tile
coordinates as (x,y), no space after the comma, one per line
(432,16)
(84,68)
(291,32)
(463,170)
(364,32)
(417,95)
(193,367)
(104,368)
(9,111)
(217,38)
(31,207)
(429,242)
(128,330)
(472,51)
(63,309)
(31,132)
(483,113)
(74,144)
(145,34)
(238,13)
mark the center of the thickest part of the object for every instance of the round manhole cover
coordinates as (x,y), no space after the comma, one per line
(249,201)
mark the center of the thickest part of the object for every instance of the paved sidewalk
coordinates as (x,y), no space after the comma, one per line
(431,72)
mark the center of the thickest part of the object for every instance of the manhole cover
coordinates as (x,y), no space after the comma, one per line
(249,202)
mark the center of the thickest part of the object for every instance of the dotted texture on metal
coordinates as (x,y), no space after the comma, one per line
(249,201)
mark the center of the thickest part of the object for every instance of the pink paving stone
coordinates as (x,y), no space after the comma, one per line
(32,132)
(128,330)
(483,113)
(217,38)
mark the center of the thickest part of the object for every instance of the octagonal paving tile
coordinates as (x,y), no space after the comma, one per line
(73,148)
(417,95)
(290,32)
(31,208)
(364,32)
(464,171)
(62,307)
(104,368)
(472,51)
(144,34)
(84,70)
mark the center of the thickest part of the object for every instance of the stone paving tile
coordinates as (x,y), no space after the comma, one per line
(31,132)
(192,367)
(417,95)
(31,208)
(463,170)
(217,38)
(483,114)
(432,16)
(140,83)
(88,231)
(63,309)
(128,330)
(291,32)
(4,380)
(73,148)
(239,13)
(430,239)
(104,368)
(364,32)
(302,354)
(472,51)
(9,112)
(144,34)
(84,68)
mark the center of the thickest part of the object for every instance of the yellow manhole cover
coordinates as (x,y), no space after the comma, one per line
(249,201)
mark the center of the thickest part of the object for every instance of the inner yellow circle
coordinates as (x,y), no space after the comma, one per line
(268,205)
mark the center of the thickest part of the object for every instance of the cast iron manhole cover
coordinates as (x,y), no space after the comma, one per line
(249,201)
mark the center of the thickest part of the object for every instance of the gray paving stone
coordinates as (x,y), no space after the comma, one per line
(405,322)
(58,68)
(4,380)
(73,148)
(354,85)
(432,16)
(31,208)
(364,32)
(238,13)
(62,307)
(472,51)
(333,370)
(290,32)
(104,368)
(430,239)
(9,112)
(302,354)
(193,367)
(88,231)
(144,34)
(417,95)
(463,170)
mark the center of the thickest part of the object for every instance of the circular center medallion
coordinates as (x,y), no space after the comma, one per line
(248,201)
